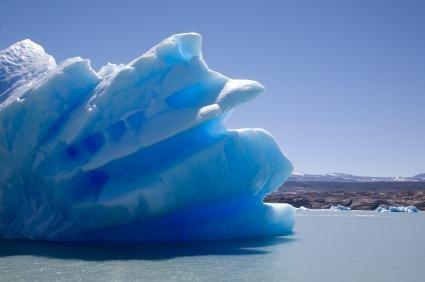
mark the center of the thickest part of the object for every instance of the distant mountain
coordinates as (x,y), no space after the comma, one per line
(419,177)
(343,177)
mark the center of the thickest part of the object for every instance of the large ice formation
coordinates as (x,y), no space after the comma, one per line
(132,153)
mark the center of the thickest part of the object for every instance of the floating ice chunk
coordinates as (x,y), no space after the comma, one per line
(381,209)
(132,153)
(410,209)
(339,207)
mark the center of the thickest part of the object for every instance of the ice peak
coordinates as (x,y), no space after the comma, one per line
(21,63)
(174,49)
(28,43)
(24,50)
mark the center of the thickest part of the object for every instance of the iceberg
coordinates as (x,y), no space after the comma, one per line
(409,209)
(134,152)
(339,207)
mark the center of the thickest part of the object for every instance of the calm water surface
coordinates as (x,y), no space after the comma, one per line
(326,246)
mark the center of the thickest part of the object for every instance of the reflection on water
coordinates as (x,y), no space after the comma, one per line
(252,246)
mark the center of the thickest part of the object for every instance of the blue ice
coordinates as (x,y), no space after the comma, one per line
(132,153)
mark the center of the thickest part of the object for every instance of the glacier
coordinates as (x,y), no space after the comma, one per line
(134,152)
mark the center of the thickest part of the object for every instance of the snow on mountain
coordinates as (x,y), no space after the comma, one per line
(343,177)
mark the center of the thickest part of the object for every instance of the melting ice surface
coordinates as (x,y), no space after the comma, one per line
(132,153)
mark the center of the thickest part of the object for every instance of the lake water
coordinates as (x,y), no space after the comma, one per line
(326,246)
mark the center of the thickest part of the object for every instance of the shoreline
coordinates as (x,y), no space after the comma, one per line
(354,195)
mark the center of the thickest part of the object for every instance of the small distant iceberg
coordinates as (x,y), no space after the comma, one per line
(302,208)
(410,209)
(339,207)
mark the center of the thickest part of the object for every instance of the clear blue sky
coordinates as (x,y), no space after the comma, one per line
(345,79)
